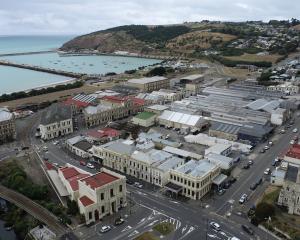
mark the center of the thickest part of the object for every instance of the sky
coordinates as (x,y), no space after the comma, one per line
(63,17)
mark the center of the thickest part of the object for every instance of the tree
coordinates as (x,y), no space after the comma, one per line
(72,207)
(158,71)
(264,211)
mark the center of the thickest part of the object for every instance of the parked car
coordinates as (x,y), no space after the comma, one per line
(267,171)
(253,186)
(248,229)
(232,180)
(138,185)
(129,182)
(247,166)
(227,185)
(215,226)
(271,143)
(282,131)
(259,181)
(89,165)
(292,142)
(295,130)
(295,138)
(105,228)
(82,163)
(262,150)
(243,198)
(266,147)
(221,192)
(119,221)
(250,162)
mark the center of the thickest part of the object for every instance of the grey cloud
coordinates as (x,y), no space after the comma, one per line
(82,16)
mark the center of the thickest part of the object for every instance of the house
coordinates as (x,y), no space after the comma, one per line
(7,126)
(148,84)
(56,122)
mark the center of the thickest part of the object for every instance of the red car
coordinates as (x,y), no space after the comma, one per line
(82,163)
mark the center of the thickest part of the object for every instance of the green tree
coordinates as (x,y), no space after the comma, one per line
(264,211)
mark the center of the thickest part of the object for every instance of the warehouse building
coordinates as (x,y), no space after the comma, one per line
(181,120)
(224,130)
(148,84)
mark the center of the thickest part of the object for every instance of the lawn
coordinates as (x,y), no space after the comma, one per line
(255,58)
(282,220)
(164,228)
(146,236)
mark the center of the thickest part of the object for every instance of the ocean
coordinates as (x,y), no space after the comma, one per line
(15,79)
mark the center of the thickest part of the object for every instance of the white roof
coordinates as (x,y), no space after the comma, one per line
(5,114)
(147,80)
(182,118)
(75,140)
(193,77)
(217,148)
(196,169)
(181,152)
(158,107)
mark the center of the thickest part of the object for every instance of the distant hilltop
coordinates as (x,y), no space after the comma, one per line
(191,38)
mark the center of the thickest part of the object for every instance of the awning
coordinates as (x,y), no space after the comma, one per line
(219,179)
(173,187)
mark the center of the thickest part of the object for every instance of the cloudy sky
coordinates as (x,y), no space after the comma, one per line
(83,16)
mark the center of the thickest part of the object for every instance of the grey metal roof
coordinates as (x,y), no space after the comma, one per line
(196,169)
(226,128)
(84,98)
(147,80)
(56,113)
(292,173)
(255,130)
(119,147)
(84,145)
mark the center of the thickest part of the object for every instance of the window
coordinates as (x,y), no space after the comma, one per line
(120,188)
(90,215)
(111,192)
(102,209)
(102,196)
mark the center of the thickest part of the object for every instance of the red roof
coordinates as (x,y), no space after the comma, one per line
(49,166)
(77,103)
(86,201)
(294,151)
(104,132)
(117,99)
(74,181)
(69,172)
(100,179)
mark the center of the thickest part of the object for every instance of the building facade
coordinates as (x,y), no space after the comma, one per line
(7,126)
(148,84)
(56,122)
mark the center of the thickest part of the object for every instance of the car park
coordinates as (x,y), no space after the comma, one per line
(267,171)
(105,228)
(119,221)
(243,198)
(248,229)
(215,226)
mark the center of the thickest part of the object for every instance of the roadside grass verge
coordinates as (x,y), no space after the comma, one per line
(164,228)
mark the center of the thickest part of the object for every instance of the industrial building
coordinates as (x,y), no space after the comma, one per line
(144,119)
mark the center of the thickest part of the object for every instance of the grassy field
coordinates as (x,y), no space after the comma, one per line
(255,58)
(282,220)
(199,39)
(52,96)
(164,228)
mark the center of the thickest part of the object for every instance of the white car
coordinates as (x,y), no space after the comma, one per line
(243,198)
(91,166)
(295,130)
(292,142)
(267,171)
(215,226)
(138,185)
(267,147)
(105,229)
(270,143)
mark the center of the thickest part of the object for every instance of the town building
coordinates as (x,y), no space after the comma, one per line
(112,108)
(79,146)
(103,135)
(79,102)
(148,84)
(193,179)
(224,162)
(157,109)
(56,122)
(144,119)
(97,195)
(221,149)
(287,88)
(290,192)
(7,126)
(224,130)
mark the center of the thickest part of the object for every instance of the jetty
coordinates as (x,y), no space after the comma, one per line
(26,53)
(42,69)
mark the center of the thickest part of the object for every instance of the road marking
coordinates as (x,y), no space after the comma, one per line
(126,229)
(142,220)
(135,232)
(183,229)
(188,232)
(151,224)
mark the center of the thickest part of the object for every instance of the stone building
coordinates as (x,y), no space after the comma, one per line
(7,126)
